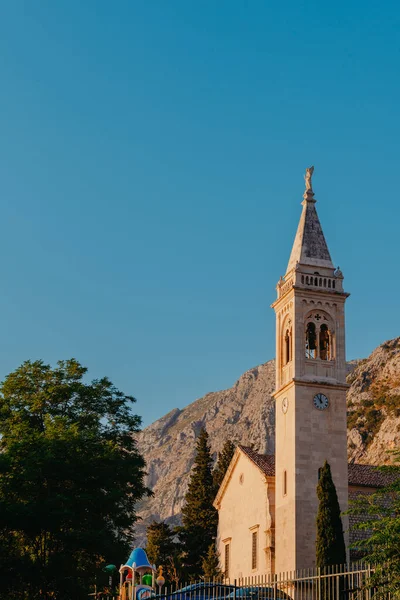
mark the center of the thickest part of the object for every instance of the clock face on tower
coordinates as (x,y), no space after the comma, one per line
(321,401)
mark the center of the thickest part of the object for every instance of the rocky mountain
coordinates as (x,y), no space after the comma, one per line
(373,402)
(245,414)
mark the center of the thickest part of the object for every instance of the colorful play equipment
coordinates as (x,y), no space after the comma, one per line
(137,577)
(160,579)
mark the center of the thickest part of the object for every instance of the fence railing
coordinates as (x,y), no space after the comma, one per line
(346,582)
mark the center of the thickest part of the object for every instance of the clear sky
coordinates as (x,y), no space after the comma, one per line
(151,172)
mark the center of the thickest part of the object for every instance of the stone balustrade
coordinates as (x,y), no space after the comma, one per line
(313,281)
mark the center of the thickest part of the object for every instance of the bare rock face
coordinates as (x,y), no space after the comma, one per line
(245,414)
(373,402)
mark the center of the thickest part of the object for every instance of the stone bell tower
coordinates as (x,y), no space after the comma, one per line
(310,388)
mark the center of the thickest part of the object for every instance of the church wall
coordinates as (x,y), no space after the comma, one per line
(320,436)
(242,509)
(285,494)
(245,510)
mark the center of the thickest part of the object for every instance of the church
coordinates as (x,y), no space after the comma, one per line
(267,505)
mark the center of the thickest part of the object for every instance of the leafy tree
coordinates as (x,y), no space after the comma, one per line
(210,564)
(199,516)
(330,545)
(160,543)
(174,569)
(223,462)
(70,477)
(378,516)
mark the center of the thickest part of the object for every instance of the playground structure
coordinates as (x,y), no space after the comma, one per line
(137,577)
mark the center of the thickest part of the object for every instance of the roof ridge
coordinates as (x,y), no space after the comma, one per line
(363,475)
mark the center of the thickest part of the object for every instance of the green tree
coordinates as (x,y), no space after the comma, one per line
(210,564)
(199,516)
(378,516)
(70,477)
(222,464)
(174,572)
(160,543)
(330,545)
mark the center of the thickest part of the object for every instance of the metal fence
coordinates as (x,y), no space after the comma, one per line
(336,583)
(346,582)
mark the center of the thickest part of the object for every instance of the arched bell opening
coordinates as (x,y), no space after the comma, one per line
(311,341)
(324,343)
(318,337)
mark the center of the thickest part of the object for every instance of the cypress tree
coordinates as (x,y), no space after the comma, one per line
(223,462)
(200,518)
(210,564)
(330,546)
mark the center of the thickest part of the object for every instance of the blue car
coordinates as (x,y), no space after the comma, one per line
(203,590)
(258,593)
(218,591)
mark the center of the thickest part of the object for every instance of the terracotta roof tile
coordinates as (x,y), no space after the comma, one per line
(265,462)
(362,475)
(369,475)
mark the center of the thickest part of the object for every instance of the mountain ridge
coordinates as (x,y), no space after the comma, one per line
(245,414)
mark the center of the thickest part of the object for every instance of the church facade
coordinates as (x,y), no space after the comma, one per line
(268,505)
(247,531)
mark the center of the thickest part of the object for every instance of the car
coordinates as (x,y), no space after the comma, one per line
(205,590)
(258,593)
(202,590)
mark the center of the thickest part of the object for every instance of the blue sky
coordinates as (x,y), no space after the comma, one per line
(151,172)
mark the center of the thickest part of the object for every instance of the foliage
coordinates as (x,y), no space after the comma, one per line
(330,546)
(223,462)
(161,547)
(378,516)
(210,564)
(199,516)
(174,569)
(70,476)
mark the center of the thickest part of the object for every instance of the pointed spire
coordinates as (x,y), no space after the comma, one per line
(309,246)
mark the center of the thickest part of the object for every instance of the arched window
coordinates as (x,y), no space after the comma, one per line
(312,280)
(329,283)
(320,281)
(311,341)
(333,284)
(287,347)
(324,343)
(302,279)
(324,282)
(307,281)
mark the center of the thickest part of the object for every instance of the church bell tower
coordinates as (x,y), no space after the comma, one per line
(310,389)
